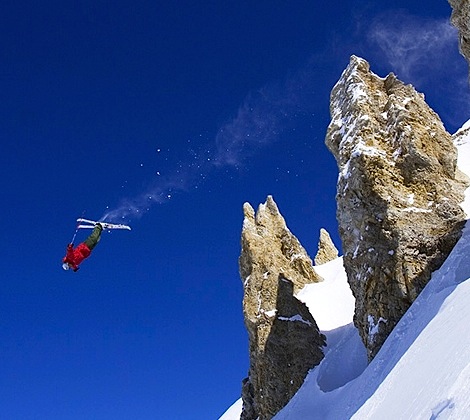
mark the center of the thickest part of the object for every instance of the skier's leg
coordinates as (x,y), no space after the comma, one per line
(94,238)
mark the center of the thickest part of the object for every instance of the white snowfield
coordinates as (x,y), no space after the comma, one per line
(423,369)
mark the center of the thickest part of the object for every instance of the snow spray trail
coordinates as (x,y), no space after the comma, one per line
(404,41)
(260,120)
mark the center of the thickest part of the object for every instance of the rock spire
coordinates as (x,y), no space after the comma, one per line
(284,340)
(326,249)
(398,194)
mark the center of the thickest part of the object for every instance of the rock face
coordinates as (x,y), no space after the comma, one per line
(398,194)
(461,20)
(326,249)
(285,342)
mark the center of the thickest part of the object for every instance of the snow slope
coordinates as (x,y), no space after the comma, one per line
(422,370)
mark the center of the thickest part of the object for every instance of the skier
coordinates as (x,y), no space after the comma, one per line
(75,256)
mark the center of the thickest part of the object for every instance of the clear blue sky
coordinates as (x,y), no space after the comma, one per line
(200,106)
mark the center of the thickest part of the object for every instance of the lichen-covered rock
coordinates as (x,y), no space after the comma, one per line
(461,20)
(326,249)
(284,339)
(398,194)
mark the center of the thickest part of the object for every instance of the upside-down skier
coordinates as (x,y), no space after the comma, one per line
(74,256)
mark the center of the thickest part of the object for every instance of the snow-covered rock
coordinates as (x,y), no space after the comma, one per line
(285,342)
(398,194)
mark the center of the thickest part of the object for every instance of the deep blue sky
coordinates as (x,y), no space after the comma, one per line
(187,109)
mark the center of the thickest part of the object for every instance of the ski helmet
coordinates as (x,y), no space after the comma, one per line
(65,266)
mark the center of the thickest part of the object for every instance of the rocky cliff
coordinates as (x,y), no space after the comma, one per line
(284,340)
(398,194)
(461,20)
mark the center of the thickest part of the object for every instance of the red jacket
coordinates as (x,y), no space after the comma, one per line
(75,256)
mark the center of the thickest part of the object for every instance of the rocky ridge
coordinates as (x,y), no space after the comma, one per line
(398,194)
(284,340)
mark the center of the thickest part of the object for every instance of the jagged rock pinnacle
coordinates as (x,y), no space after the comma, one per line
(285,342)
(326,249)
(398,194)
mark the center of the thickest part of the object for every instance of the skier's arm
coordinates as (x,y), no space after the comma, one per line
(69,250)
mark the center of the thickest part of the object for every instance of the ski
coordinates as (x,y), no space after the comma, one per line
(90,224)
(106,226)
(81,220)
